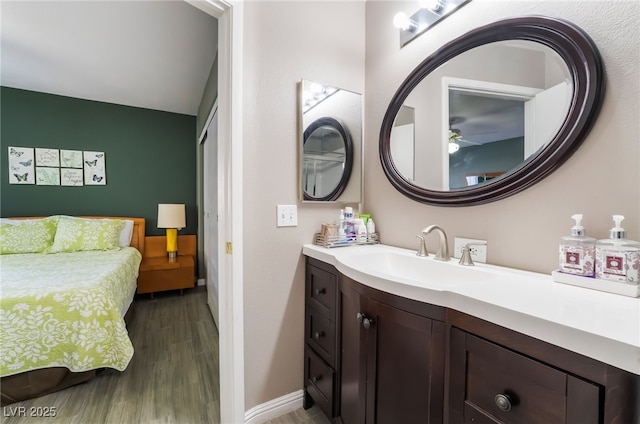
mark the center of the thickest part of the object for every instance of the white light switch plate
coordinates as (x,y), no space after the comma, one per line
(478,253)
(287,215)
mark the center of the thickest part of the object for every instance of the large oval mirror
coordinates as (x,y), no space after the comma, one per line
(327,159)
(492,112)
(331,144)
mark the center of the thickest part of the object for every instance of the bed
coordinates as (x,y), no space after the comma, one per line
(64,306)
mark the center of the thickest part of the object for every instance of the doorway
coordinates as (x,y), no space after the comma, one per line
(229,195)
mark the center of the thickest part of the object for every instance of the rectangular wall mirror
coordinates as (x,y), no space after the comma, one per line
(330,144)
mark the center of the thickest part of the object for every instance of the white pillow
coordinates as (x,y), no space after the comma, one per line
(126,233)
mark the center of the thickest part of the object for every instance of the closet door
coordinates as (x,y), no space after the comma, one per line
(210,203)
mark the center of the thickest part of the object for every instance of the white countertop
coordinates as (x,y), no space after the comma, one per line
(596,324)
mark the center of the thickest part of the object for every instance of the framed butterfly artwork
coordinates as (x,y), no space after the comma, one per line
(71,177)
(47,157)
(21,165)
(94,168)
(47,176)
(71,158)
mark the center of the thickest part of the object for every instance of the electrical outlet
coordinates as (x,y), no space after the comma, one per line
(287,215)
(478,252)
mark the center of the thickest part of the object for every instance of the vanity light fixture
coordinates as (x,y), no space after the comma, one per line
(430,13)
(316,94)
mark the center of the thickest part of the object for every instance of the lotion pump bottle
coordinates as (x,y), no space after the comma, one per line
(342,226)
(348,217)
(577,251)
(371,229)
(618,259)
(361,236)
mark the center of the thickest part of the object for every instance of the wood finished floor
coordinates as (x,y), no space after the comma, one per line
(311,416)
(172,378)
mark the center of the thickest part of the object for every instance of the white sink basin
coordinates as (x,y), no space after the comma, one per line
(600,325)
(417,270)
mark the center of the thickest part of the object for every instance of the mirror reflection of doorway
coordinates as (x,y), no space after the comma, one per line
(495,127)
(403,142)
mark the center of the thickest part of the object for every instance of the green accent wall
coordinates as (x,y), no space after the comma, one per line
(150,157)
(499,156)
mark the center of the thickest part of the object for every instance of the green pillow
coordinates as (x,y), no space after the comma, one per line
(27,236)
(77,234)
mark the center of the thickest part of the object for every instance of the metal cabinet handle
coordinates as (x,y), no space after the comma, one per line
(367,323)
(315,379)
(362,319)
(317,335)
(503,402)
(318,292)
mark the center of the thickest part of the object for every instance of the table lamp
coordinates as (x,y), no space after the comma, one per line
(172,217)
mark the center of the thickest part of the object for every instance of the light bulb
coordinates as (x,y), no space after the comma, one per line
(402,21)
(317,88)
(453,147)
(306,96)
(433,5)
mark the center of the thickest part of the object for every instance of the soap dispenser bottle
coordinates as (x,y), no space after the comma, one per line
(350,224)
(618,259)
(342,226)
(577,251)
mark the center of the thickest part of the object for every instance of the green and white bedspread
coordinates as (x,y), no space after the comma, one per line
(66,310)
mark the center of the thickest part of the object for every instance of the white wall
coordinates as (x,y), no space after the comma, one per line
(325,41)
(600,179)
(284,42)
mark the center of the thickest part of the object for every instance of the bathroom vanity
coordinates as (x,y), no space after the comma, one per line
(393,338)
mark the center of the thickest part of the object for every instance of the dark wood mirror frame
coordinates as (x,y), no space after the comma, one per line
(585,65)
(348,162)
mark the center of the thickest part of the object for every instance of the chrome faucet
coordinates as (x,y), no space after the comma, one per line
(422,251)
(443,251)
(465,257)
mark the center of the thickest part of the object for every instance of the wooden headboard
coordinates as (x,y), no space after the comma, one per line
(137,238)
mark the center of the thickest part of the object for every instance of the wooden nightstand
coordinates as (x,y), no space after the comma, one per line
(158,273)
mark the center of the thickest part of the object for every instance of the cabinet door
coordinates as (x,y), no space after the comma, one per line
(405,367)
(352,357)
(491,384)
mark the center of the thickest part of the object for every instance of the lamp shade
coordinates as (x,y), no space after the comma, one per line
(171,215)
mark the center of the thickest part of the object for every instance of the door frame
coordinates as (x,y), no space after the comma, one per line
(230,248)
(506,91)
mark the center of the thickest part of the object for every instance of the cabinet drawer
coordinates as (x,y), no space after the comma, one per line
(320,333)
(321,290)
(527,390)
(319,381)
(165,279)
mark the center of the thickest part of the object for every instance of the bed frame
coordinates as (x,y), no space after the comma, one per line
(36,383)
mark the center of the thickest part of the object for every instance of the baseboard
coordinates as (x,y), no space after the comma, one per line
(201,282)
(274,408)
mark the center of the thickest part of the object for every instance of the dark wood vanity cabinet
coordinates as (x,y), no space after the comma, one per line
(497,375)
(320,351)
(392,358)
(371,357)
(376,358)
(493,385)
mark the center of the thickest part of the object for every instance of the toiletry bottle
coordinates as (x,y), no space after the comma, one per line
(348,217)
(618,259)
(371,229)
(577,251)
(361,235)
(342,226)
